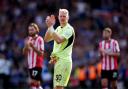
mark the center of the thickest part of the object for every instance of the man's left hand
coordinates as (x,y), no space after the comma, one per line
(53,60)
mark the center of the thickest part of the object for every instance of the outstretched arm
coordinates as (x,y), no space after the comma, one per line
(50,21)
(48,34)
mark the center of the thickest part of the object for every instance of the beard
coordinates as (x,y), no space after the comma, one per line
(106,38)
(32,34)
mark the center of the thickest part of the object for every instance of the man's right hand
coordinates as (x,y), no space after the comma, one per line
(27,42)
(50,21)
(26,45)
(102,51)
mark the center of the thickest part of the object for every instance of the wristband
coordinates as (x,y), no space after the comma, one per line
(51,29)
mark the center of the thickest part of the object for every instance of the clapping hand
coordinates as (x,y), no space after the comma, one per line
(50,21)
(27,42)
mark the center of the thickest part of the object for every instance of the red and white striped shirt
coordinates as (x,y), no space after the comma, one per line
(35,60)
(109,62)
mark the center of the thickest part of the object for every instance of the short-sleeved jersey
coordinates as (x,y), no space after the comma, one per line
(109,62)
(35,60)
(64,49)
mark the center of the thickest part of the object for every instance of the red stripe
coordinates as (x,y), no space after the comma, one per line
(100,45)
(105,56)
(109,56)
(114,51)
(40,42)
(33,54)
(115,48)
(115,63)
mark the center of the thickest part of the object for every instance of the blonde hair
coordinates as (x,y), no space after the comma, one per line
(35,26)
(108,29)
(64,11)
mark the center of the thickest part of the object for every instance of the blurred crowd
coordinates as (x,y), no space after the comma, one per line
(88,17)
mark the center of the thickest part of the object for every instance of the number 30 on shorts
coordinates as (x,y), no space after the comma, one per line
(34,72)
(58,77)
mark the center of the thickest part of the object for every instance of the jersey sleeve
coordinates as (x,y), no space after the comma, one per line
(117,46)
(41,44)
(67,33)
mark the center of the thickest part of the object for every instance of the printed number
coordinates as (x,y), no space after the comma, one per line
(58,77)
(34,73)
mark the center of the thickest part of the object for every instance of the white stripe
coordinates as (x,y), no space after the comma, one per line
(103,43)
(30,65)
(117,46)
(107,57)
(28,60)
(42,44)
(111,49)
(114,47)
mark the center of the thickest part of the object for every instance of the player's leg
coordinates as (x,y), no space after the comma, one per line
(62,73)
(35,74)
(104,79)
(32,84)
(104,83)
(114,84)
(38,78)
(38,84)
(114,76)
(35,84)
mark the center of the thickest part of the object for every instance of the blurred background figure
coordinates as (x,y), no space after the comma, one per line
(88,17)
(5,67)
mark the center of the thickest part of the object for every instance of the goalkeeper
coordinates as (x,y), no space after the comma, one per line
(61,55)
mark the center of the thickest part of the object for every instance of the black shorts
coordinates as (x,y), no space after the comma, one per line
(35,73)
(109,74)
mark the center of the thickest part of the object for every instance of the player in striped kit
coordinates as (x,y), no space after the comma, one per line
(33,49)
(109,50)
